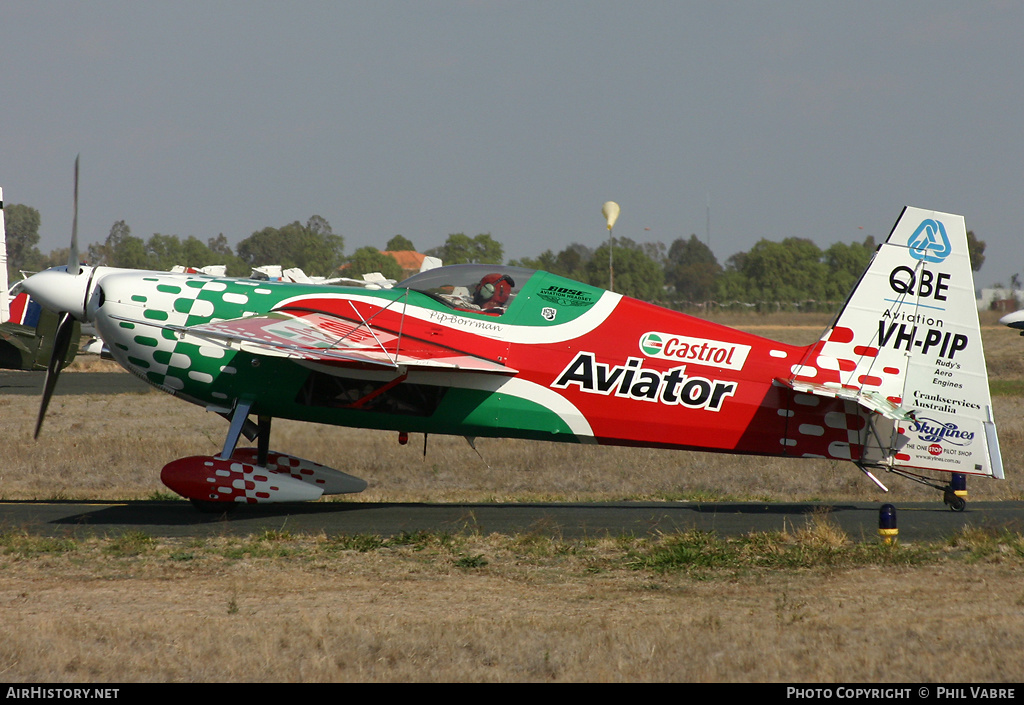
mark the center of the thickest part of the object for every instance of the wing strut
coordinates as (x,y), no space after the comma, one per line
(374,334)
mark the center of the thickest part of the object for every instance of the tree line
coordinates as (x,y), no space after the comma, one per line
(793,272)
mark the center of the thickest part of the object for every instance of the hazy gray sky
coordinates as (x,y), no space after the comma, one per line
(808,119)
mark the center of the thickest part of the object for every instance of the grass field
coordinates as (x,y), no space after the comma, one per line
(807,605)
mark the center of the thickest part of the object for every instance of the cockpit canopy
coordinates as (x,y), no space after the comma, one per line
(476,288)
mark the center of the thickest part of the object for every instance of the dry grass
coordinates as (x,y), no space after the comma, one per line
(807,606)
(280,608)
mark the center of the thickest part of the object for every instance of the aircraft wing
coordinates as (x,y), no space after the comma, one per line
(322,337)
(13,338)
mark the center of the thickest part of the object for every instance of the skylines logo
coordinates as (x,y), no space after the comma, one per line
(932,431)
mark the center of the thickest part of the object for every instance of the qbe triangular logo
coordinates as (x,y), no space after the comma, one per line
(929,242)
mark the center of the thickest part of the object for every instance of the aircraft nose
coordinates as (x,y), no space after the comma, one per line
(1014,320)
(57,290)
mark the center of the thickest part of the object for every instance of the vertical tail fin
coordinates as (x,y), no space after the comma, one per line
(907,344)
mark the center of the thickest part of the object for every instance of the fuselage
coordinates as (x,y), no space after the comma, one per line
(583,364)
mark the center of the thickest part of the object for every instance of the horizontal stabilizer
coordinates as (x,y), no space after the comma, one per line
(866,398)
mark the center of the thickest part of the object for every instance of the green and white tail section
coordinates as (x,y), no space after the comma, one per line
(907,345)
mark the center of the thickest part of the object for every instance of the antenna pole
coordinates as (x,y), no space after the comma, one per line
(610,211)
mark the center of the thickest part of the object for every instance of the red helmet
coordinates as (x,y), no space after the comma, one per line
(493,290)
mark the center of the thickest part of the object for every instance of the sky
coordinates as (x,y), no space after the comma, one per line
(734,121)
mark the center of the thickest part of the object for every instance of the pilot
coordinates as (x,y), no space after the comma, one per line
(493,292)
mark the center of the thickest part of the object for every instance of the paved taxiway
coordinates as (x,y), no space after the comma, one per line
(19,382)
(918,521)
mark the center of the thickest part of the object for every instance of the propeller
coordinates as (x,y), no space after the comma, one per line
(61,342)
(66,321)
(74,266)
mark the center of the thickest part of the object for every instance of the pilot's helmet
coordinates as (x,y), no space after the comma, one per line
(493,290)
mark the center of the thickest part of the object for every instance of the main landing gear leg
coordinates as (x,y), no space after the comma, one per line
(263,440)
(239,418)
(239,424)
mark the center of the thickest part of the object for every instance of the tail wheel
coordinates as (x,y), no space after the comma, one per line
(954,501)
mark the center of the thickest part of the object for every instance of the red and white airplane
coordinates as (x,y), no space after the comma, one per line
(897,383)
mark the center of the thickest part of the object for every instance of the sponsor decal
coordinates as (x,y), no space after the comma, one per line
(699,351)
(909,317)
(937,402)
(633,381)
(935,432)
(548,313)
(929,285)
(929,242)
(565,296)
(944,373)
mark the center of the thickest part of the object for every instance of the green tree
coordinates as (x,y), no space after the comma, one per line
(370,259)
(120,249)
(219,245)
(785,271)
(692,269)
(167,251)
(22,224)
(845,263)
(103,254)
(976,249)
(196,253)
(636,274)
(459,248)
(400,243)
(266,246)
(221,253)
(570,262)
(546,261)
(313,247)
(131,253)
(732,286)
(164,252)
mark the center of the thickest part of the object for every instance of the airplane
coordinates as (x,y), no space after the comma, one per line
(897,383)
(26,330)
(1014,320)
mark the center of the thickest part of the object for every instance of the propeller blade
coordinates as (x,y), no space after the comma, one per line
(61,342)
(66,322)
(73,263)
